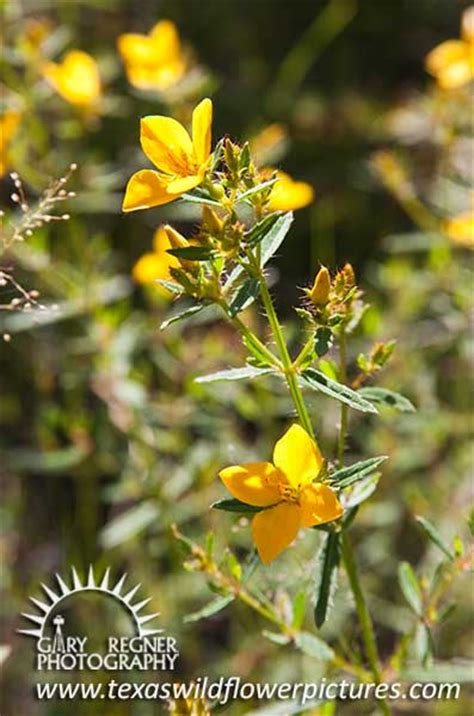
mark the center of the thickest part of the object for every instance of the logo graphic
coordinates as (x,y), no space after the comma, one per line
(57,650)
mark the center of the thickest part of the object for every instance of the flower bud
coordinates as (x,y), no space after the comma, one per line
(176,240)
(211,221)
(349,275)
(319,294)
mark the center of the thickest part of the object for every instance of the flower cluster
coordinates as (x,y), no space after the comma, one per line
(228,182)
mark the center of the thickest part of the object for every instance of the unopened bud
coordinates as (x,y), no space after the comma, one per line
(211,221)
(319,294)
(349,275)
(176,240)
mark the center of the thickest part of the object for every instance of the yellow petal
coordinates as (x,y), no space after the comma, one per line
(319,504)
(457,74)
(150,267)
(460,229)
(145,189)
(202,128)
(165,38)
(444,54)
(9,122)
(182,185)
(77,79)
(289,195)
(136,49)
(167,144)
(297,456)
(275,529)
(255,483)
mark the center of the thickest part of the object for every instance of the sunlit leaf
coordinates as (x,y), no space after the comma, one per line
(348,475)
(245,373)
(432,533)
(319,382)
(410,587)
(387,397)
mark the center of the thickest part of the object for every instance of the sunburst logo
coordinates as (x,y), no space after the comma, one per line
(57,650)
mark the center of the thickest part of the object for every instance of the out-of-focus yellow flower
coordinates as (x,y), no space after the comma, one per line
(288,194)
(9,122)
(156,60)
(76,78)
(460,229)
(182,160)
(156,264)
(452,62)
(287,488)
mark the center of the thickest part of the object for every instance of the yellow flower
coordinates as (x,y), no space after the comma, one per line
(9,122)
(288,488)
(319,294)
(452,62)
(182,161)
(153,61)
(460,229)
(156,264)
(76,78)
(289,195)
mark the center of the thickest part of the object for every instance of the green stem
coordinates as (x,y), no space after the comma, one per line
(251,337)
(304,352)
(361,606)
(363,614)
(348,558)
(291,375)
(342,378)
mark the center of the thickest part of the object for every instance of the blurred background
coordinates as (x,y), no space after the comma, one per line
(105,439)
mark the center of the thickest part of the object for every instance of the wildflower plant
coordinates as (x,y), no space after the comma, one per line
(223,264)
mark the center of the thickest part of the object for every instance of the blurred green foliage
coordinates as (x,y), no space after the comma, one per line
(106,440)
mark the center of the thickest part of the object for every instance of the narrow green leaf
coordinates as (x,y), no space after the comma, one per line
(257,356)
(234,566)
(255,190)
(316,380)
(362,491)
(432,533)
(313,646)
(326,576)
(192,253)
(389,398)
(274,238)
(46,462)
(245,296)
(299,606)
(247,372)
(209,610)
(276,638)
(261,229)
(410,587)
(445,612)
(198,198)
(233,505)
(348,475)
(187,313)
(269,244)
(170,286)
